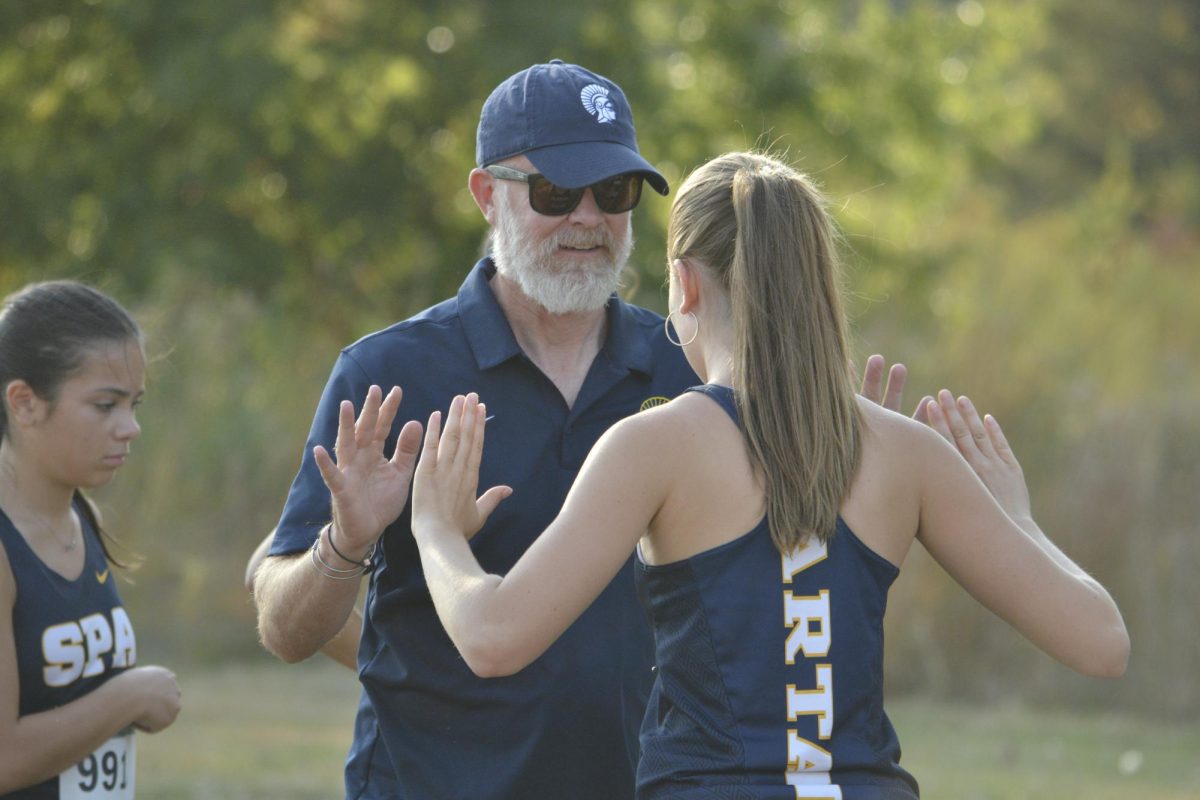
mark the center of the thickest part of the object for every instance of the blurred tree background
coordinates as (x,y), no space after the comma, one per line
(1019,184)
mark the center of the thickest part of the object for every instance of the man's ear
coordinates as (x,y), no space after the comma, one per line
(22,404)
(483,187)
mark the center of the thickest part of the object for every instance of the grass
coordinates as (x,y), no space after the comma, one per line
(1016,753)
(264,730)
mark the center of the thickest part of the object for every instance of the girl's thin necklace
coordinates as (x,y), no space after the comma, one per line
(75,535)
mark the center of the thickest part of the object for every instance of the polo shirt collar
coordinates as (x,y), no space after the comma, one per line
(627,345)
(484,324)
(492,341)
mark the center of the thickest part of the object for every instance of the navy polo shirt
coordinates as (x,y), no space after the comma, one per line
(566,725)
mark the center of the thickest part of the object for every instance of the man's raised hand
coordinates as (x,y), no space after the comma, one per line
(368,490)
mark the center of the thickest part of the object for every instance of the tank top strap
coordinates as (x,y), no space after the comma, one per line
(24,560)
(12,541)
(721,395)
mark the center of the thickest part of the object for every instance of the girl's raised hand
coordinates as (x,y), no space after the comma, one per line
(367,489)
(983,444)
(447,477)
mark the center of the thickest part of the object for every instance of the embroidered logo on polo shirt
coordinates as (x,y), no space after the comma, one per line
(651,402)
(102,576)
(595,100)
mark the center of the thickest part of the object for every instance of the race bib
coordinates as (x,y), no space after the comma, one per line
(106,774)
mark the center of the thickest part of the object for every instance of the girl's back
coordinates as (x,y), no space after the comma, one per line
(723,497)
(769,667)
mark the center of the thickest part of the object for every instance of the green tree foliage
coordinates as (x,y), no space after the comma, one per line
(321,147)
(1019,185)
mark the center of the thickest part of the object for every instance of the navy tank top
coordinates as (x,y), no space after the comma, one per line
(71,635)
(769,671)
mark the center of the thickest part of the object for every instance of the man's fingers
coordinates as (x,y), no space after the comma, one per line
(364,431)
(872,382)
(408,444)
(892,398)
(329,471)
(889,395)
(343,446)
(387,414)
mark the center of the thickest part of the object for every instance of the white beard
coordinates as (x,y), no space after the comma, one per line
(558,287)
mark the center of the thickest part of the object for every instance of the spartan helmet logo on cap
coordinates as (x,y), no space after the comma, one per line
(595,100)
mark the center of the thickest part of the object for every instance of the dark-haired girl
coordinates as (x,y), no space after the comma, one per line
(71,694)
(770,510)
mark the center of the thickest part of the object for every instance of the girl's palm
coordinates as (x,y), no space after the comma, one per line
(447,479)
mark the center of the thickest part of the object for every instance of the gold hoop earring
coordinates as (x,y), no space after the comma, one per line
(667,329)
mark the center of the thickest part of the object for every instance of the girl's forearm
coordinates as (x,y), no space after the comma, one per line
(1104,653)
(40,746)
(464,597)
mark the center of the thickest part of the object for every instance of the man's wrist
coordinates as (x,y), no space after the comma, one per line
(345,553)
(321,563)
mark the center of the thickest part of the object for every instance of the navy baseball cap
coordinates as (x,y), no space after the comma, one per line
(574,125)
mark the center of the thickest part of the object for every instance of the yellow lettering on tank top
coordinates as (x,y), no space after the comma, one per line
(810,635)
(74,650)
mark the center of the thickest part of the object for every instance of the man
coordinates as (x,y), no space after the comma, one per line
(538,331)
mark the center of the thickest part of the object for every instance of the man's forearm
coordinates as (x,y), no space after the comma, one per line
(300,608)
(343,647)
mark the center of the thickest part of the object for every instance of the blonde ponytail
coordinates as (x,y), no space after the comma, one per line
(762,227)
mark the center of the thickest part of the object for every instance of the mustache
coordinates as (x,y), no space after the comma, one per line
(596,237)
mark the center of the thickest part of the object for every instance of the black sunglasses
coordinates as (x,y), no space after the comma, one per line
(614,195)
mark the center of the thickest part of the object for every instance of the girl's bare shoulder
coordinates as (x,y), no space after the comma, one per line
(685,416)
(894,433)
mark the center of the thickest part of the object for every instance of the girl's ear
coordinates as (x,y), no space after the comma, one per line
(689,285)
(22,404)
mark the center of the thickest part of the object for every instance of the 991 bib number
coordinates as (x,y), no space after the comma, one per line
(106,774)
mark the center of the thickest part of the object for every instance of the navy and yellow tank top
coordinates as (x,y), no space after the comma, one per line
(769,671)
(71,635)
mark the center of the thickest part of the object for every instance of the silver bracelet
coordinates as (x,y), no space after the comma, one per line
(366,562)
(330,571)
